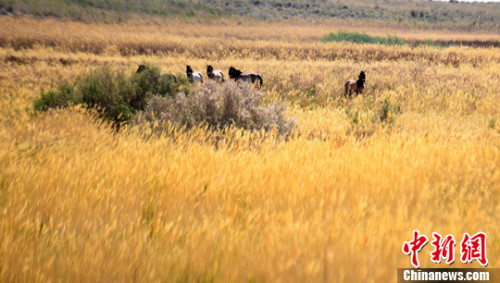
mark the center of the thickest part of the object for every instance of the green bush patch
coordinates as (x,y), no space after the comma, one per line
(115,95)
(363,38)
(356,37)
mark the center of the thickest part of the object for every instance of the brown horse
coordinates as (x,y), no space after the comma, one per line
(355,86)
(171,76)
(216,75)
(237,75)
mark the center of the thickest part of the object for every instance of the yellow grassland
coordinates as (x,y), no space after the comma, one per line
(334,202)
(177,35)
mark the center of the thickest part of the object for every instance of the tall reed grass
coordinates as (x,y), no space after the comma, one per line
(334,201)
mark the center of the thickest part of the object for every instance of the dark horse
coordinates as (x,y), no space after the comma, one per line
(216,75)
(237,75)
(355,86)
(171,76)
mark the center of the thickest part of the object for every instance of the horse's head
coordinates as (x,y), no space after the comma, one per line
(141,68)
(210,69)
(189,70)
(362,76)
(234,73)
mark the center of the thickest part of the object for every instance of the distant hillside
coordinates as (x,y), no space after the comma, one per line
(421,13)
(107,10)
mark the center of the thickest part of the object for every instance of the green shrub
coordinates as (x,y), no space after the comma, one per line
(432,43)
(393,40)
(116,96)
(151,82)
(111,92)
(492,123)
(388,111)
(354,117)
(62,97)
(356,37)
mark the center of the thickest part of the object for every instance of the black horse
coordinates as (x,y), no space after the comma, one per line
(237,75)
(355,86)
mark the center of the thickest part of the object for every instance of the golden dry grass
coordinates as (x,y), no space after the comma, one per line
(334,203)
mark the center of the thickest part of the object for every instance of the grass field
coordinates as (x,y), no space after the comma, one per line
(334,201)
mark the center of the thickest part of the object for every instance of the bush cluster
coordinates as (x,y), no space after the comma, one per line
(152,97)
(219,106)
(362,38)
(116,96)
(356,37)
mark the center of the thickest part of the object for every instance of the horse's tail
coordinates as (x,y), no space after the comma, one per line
(346,88)
(261,82)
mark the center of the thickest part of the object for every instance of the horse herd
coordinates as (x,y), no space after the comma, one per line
(351,86)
